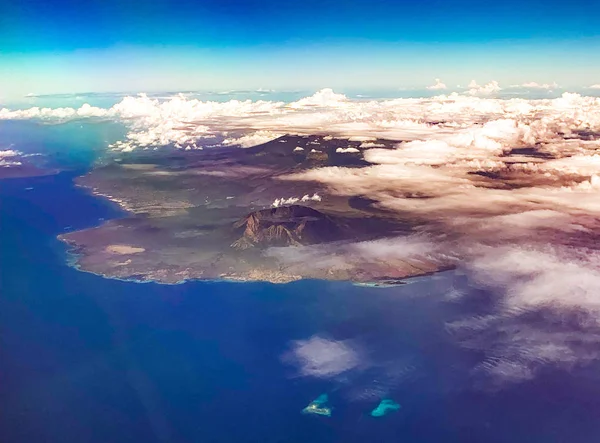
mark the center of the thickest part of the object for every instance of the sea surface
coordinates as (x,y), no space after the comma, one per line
(89,359)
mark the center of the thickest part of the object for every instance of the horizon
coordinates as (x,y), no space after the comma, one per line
(107,99)
(197,46)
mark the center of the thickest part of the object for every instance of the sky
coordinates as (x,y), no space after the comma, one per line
(68,46)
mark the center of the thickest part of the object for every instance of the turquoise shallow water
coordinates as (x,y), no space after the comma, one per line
(89,359)
(73,145)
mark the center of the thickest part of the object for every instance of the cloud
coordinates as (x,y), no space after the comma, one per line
(7,158)
(543,276)
(254,139)
(349,150)
(323,98)
(54,114)
(516,349)
(488,89)
(323,358)
(372,145)
(401,254)
(596,86)
(356,372)
(437,86)
(9,153)
(548,311)
(535,85)
(293,200)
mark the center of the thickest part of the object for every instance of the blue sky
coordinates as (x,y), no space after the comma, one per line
(108,45)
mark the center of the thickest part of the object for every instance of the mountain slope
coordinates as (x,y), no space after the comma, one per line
(286,226)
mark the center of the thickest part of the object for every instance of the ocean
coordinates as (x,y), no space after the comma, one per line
(89,359)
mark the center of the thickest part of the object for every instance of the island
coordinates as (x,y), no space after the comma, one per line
(318,406)
(230,213)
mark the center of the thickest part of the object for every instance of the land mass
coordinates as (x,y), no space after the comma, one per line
(19,166)
(225,213)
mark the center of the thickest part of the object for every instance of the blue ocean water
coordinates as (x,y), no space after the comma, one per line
(89,359)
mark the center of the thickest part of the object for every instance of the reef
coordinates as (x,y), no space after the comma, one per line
(385,407)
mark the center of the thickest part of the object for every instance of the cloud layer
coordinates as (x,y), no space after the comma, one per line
(190,123)
(535,85)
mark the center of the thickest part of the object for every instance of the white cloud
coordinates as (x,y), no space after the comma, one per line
(53,114)
(535,85)
(7,158)
(323,358)
(349,150)
(314,197)
(545,276)
(253,139)
(400,254)
(323,98)
(9,153)
(372,145)
(293,200)
(596,86)
(488,89)
(558,286)
(285,201)
(437,86)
